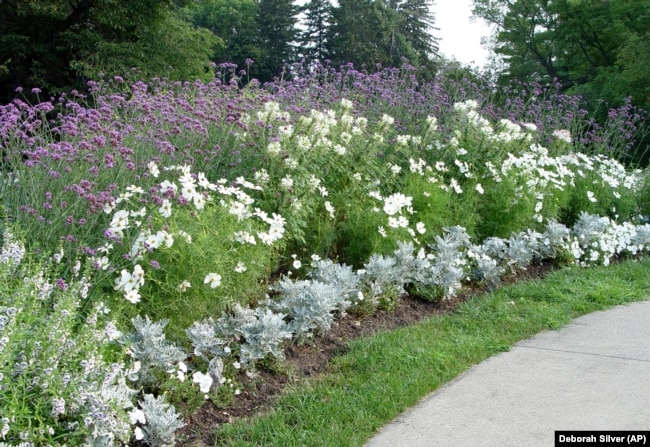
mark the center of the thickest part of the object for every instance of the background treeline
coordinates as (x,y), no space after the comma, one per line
(58,44)
(599,49)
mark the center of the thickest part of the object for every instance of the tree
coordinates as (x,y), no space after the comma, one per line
(53,44)
(313,39)
(369,32)
(361,33)
(416,22)
(234,22)
(592,47)
(173,49)
(276,24)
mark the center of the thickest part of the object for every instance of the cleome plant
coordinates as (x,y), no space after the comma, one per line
(161,239)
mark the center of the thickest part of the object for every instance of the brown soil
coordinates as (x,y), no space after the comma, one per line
(260,391)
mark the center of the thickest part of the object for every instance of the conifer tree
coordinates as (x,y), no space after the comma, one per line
(313,39)
(276,24)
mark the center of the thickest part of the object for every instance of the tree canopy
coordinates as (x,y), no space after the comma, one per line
(597,48)
(56,44)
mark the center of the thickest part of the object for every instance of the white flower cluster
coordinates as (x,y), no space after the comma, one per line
(196,190)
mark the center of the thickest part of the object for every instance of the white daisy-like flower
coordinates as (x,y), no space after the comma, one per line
(137,416)
(132,296)
(204,381)
(213,279)
(153,168)
(330,209)
(240,267)
(184,286)
(165,209)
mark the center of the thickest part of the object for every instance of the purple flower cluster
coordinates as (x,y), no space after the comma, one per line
(76,154)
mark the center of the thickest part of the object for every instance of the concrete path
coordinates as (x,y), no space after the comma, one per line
(593,374)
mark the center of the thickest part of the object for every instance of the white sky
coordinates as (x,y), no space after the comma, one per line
(460,38)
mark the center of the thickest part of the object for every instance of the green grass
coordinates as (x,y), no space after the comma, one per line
(381,376)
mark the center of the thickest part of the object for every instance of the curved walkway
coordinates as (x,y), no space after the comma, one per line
(593,374)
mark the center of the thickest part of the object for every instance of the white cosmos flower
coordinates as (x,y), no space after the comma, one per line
(456,186)
(240,267)
(153,168)
(213,279)
(184,286)
(274,148)
(563,135)
(244,237)
(203,380)
(137,416)
(591,196)
(130,281)
(165,209)
(420,228)
(133,189)
(199,201)
(120,221)
(185,235)
(286,182)
(330,209)
(153,241)
(132,296)
(167,187)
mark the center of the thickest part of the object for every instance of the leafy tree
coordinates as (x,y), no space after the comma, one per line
(234,21)
(593,47)
(54,44)
(172,49)
(276,24)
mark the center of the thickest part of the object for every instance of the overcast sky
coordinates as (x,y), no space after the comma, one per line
(460,38)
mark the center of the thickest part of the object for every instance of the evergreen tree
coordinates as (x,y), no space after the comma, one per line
(417,24)
(313,39)
(383,32)
(361,33)
(277,34)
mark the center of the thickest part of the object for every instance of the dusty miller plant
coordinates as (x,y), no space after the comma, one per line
(485,268)
(382,278)
(262,330)
(413,268)
(310,306)
(162,421)
(341,276)
(555,240)
(522,249)
(205,341)
(148,346)
(449,261)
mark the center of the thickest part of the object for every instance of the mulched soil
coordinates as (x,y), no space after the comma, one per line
(260,391)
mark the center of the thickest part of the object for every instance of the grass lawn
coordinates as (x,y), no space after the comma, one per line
(382,375)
